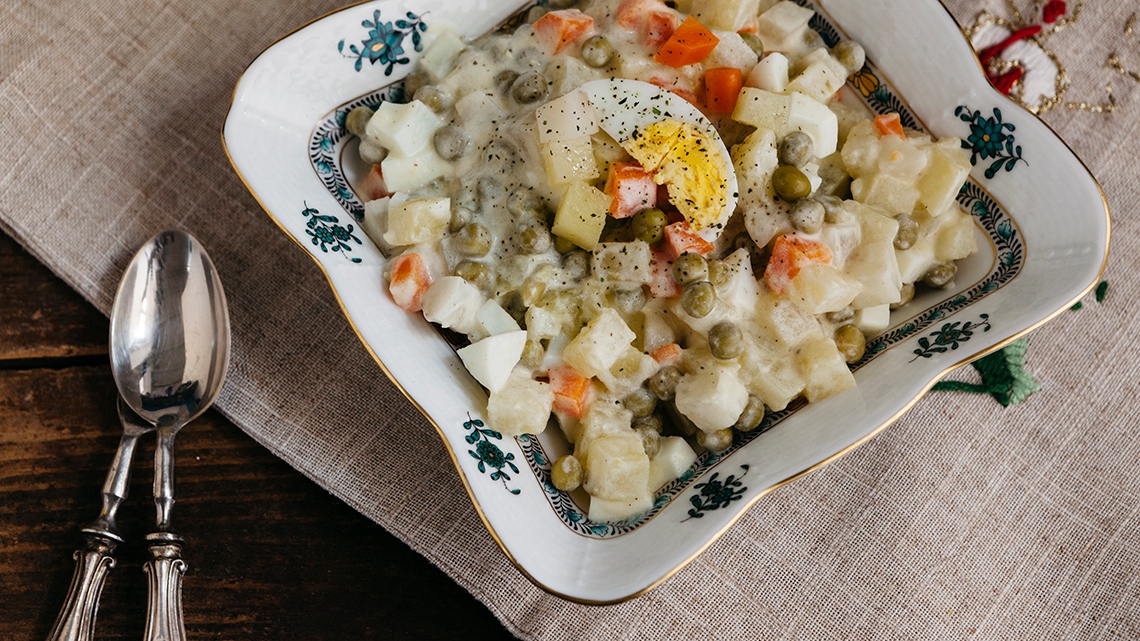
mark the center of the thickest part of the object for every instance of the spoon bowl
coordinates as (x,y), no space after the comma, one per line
(170,333)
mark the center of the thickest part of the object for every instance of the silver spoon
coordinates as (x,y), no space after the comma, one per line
(169,356)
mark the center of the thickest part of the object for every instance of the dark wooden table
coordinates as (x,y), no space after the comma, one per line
(271,555)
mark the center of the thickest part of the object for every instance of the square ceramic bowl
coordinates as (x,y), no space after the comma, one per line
(1042,226)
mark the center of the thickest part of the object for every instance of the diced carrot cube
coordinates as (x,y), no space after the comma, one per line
(889,125)
(632,14)
(667,354)
(410,279)
(373,185)
(571,390)
(560,29)
(680,238)
(789,254)
(662,282)
(722,87)
(691,43)
(632,189)
(659,27)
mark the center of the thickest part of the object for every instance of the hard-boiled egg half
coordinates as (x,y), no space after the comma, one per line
(674,140)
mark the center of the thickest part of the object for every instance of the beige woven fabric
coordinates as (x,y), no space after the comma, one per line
(963,520)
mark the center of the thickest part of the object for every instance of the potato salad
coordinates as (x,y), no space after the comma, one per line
(654,222)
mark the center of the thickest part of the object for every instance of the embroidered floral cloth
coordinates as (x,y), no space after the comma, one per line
(963,520)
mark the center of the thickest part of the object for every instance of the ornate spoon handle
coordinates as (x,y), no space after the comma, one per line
(76,621)
(164,593)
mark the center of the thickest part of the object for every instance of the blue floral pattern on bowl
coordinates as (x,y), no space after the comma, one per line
(385,41)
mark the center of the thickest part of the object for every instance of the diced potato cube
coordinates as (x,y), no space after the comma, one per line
(873,320)
(725,15)
(622,262)
(479,106)
(770,74)
(405,173)
(814,119)
(763,109)
(418,221)
(403,129)
(606,511)
(581,215)
(375,222)
(569,117)
(521,406)
(570,160)
(491,360)
(673,459)
(917,259)
(628,372)
(712,398)
(884,191)
(841,238)
(554,315)
(825,369)
(600,420)
(617,468)
(819,289)
(656,332)
(873,262)
(861,149)
(439,56)
(957,239)
(946,171)
(598,346)
(768,371)
(782,320)
(900,158)
(819,81)
(781,26)
(493,319)
(570,425)
(607,152)
(731,51)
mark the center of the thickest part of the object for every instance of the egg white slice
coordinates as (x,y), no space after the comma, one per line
(628,106)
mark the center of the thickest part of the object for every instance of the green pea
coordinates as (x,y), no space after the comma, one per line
(451,142)
(435,97)
(533,354)
(715,442)
(371,151)
(566,473)
(790,183)
(357,120)
(629,300)
(505,80)
(597,52)
(653,422)
(726,341)
(460,216)
(649,225)
(650,440)
(851,343)
(576,264)
(940,274)
(475,273)
(907,234)
(851,55)
(472,240)
(833,211)
(752,415)
(529,87)
(719,273)
(690,268)
(525,202)
(698,299)
(563,246)
(795,149)
(534,237)
(808,215)
(414,81)
(663,384)
(641,402)
(753,41)
(906,294)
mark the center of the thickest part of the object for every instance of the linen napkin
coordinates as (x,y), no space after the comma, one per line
(964,519)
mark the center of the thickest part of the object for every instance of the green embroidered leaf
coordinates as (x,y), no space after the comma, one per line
(1003,376)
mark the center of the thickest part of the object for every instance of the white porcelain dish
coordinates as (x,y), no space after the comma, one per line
(1043,229)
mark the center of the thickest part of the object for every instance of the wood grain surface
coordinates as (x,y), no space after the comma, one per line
(271,555)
